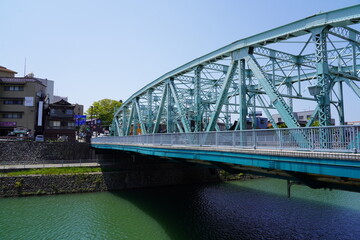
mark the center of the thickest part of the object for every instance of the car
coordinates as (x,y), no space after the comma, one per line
(39,138)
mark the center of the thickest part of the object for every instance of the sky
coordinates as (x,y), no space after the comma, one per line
(112,48)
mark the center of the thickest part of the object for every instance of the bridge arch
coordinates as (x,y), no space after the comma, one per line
(224,88)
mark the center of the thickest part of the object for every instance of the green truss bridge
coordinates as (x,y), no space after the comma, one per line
(201,112)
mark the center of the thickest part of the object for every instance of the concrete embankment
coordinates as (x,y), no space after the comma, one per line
(120,170)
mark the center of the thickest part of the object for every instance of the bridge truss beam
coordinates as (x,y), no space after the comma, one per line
(222,90)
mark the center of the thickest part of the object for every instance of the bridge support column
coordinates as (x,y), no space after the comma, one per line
(198,115)
(170,106)
(242,95)
(150,117)
(124,123)
(341,104)
(323,84)
(289,185)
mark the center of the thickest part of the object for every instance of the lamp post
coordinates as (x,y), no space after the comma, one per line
(314,90)
(324,137)
(91,120)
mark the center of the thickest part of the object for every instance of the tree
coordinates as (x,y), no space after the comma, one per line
(315,124)
(103,110)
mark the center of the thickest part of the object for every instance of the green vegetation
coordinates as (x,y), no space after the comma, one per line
(52,171)
(18,184)
(229,176)
(103,110)
(315,124)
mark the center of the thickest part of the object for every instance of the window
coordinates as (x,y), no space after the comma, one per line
(12,115)
(69,111)
(279,119)
(71,124)
(301,117)
(13,88)
(54,123)
(13,102)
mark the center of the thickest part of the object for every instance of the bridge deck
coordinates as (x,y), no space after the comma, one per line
(227,149)
(343,165)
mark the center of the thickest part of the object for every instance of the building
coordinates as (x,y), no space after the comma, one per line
(79,109)
(21,102)
(59,121)
(4,72)
(28,107)
(301,117)
(353,123)
(58,98)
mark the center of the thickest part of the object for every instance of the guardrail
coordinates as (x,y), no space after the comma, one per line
(332,139)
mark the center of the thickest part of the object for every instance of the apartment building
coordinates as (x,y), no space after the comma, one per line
(22,102)
(59,121)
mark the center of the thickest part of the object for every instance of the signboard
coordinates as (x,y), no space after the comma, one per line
(29,101)
(7,124)
(40,113)
(80,120)
(20,130)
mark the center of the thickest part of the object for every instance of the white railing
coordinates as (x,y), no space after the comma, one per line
(333,139)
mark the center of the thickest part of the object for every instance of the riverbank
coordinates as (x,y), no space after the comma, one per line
(49,181)
(26,167)
(109,178)
(225,176)
(39,184)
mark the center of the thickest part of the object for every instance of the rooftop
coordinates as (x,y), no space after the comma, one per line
(4,69)
(20,80)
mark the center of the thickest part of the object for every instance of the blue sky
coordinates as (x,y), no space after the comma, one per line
(110,49)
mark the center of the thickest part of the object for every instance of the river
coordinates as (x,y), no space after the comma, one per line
(254,209)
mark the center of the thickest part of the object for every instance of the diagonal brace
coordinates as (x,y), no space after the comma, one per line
(141,119)
(181,110)
(223,95)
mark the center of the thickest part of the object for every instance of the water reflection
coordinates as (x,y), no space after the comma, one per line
(256,209)
(246,210)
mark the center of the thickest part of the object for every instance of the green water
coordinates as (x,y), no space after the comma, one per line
(256,209)
(77,216)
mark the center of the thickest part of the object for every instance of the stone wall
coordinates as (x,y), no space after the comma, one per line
(50,184)
(121,170)
(38,152)
(97,182)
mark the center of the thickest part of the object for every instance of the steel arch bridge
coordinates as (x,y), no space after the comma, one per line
(312,59)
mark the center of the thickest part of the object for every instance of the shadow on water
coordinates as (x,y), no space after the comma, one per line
(232,211)
(255,209)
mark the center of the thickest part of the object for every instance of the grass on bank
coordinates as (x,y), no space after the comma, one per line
(52,171)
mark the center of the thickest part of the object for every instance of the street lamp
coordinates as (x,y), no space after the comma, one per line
(314,90)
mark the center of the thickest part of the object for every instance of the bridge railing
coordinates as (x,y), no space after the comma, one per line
(332,138)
